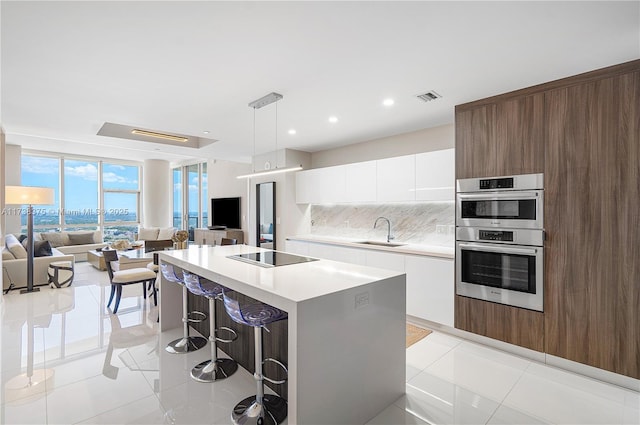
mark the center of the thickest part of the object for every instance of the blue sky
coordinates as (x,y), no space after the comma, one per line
(81,181)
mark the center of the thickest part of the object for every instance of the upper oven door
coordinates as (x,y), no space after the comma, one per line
(509,209)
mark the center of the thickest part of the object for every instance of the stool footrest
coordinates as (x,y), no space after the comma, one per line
(196,317)
(279,364)
(234,335)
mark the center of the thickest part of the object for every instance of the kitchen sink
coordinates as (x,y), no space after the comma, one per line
(380,243)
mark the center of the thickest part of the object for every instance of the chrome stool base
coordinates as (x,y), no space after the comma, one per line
(209,371)
(273,411)
(186,345)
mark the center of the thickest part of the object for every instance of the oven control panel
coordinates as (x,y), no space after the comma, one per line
(495,235)
(500,183)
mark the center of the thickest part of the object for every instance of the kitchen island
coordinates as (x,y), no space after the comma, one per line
(346,328)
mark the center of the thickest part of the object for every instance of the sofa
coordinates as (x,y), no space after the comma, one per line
(155,233)
(14,264)
(76,243)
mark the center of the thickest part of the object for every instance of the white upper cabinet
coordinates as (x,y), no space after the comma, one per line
(396,178)
(360,179)
(321,185)
(435,175)
(303,186)
(428,176)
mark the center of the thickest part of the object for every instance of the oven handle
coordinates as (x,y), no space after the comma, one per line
(482,247)
(499,195)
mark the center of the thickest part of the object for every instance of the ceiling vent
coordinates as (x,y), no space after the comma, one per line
(428,96)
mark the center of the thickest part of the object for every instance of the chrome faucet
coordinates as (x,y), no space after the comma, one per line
(389,235)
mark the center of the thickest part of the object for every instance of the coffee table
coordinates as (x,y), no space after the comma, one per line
(96,259)
(133,259)
(126,259)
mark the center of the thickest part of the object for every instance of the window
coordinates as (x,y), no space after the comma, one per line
(204,205)
(44,172)
(121,192)
(177,198)
(80,194)
(89,195)
(190,197)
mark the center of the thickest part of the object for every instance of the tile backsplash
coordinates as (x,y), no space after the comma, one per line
(428,223)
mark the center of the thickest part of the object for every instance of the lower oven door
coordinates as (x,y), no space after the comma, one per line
(506,274)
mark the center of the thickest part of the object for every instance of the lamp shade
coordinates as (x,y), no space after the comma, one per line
(29,195)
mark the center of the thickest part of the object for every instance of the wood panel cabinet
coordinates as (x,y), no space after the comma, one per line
(519,135)
(509,324)
(583,132)
(499,139)
(592,254)
(476,154)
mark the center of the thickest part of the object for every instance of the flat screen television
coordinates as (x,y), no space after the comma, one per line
(225,212)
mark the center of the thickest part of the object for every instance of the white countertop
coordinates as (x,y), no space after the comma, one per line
(415,249)
(278,286)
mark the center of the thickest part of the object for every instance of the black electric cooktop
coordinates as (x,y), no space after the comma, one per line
(271,258)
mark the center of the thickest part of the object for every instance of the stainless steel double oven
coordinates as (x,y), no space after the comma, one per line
(500,240)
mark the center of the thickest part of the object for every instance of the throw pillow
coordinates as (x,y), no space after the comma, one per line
(40,248)
(84,238)
(166,233)
(7,255)
(21,238)
(148,234)
(15,246)
(55,238)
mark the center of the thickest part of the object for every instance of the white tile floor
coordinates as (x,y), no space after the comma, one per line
(105,369)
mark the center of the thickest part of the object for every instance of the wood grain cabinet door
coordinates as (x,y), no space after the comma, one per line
(519,135)
(592,219)
(475,142)
(500,139)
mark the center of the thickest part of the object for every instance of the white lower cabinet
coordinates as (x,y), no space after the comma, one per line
(430,285)
(337,253)
(430,288)
(385,260)
(297,247)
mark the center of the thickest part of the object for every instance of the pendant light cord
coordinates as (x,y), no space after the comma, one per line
(253,160)
(276,135)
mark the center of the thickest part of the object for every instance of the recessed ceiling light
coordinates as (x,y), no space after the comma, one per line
(206,132)
(333,119)
(292,131)
(388,102)
(159,135)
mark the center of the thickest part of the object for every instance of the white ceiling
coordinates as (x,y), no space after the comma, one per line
(68,67)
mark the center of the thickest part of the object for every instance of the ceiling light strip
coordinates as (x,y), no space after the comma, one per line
(269,172)
(159,135)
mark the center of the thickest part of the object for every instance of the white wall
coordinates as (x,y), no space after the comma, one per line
(157,194)
(12,175)
(426,140)
(291,218)
(222,183)
(2,180)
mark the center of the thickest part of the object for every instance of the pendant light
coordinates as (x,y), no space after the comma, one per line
(257,104)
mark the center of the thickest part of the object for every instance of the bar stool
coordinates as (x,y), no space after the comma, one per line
(187,343)
(214,369)
(262,409)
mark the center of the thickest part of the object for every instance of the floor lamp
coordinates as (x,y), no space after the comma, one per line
(28,195)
